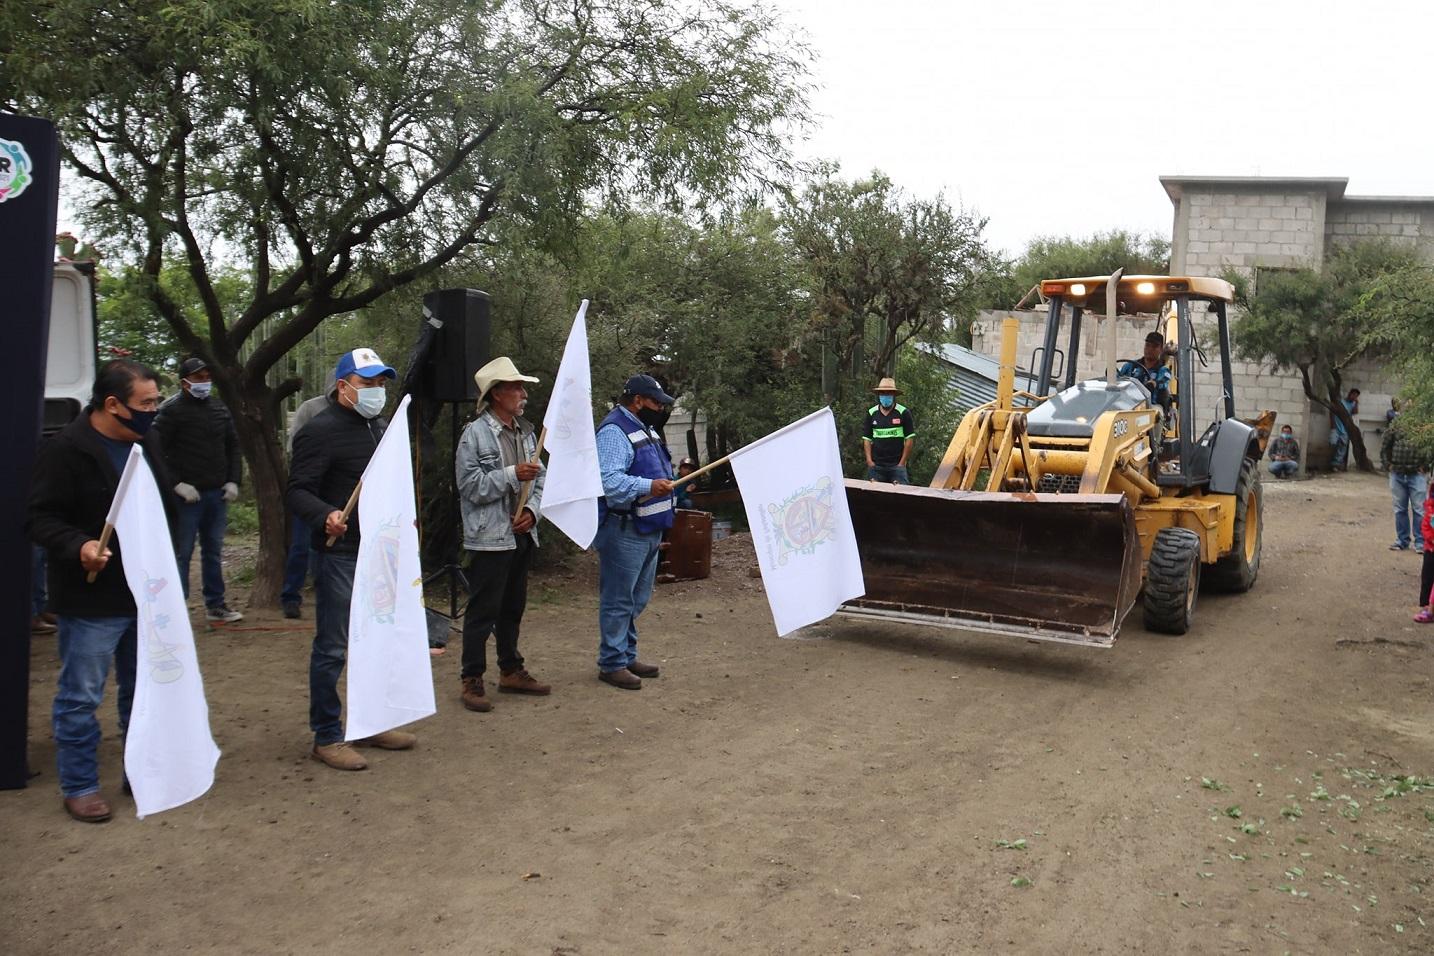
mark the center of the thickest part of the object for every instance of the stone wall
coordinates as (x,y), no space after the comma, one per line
(1247,227)
(1407,221)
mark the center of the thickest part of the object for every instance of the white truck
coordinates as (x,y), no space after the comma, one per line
(73,356)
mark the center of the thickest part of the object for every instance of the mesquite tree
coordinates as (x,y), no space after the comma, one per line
(338,151)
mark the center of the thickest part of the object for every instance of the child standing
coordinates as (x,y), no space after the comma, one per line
(1426,576)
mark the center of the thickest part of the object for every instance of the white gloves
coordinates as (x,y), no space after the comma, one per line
(187,492)
(231,491)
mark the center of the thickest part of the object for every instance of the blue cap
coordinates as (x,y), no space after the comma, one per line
(647,385)
(363,362)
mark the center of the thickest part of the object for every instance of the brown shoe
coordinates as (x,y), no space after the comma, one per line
(521,682)
(473,696)
(623,678)
(91,808)
(389,740)
(340,756)
(644,670)
(38,625)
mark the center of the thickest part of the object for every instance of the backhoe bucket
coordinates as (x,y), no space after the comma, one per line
(1055,567)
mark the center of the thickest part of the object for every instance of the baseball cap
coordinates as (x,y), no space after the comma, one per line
(646,385)
(191,365)
(363,362)
(1155,338)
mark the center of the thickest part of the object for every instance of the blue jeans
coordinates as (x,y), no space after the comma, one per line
(300,562)
(333,590)
(896,474)
(206,518)
(626,571)
(1338,448)
(1408,492)
(86,646)
(1284,469)
(38,597)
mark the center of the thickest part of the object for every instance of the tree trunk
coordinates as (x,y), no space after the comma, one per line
(257,422)
(1356,438)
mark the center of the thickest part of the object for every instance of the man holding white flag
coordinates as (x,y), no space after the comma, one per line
(75,481)
(792,489)
(574,482)
(330,455)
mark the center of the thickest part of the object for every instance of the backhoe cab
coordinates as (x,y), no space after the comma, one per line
(1050,514)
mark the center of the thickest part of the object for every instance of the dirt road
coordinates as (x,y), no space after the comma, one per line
(872,790)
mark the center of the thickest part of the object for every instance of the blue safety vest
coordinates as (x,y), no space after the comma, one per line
(649,460)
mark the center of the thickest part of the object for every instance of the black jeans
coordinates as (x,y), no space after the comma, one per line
(498,593)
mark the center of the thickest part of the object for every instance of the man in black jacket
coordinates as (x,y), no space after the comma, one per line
(330,454)
(201,450)
(74,482)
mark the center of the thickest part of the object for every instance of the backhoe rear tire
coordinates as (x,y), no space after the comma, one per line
(1172,581)
(1235,573)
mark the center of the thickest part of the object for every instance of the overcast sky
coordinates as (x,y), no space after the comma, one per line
(1058,116)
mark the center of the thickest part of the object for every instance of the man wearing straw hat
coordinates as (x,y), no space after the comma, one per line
(887,436)
(496,457)
(330,455)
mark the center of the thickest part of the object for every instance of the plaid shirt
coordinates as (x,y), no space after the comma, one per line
(1399,454)
(1283,447)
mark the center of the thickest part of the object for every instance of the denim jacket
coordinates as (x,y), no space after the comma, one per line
(488,489)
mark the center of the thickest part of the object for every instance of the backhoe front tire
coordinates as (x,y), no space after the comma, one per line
(1172,581)
(1236,572)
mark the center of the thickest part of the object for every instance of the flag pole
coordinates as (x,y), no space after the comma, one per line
(701,471)
(528,485)
(104,543)
(348,510)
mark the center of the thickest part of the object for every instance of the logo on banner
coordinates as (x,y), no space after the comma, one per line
(164,666)
(381,592)
(14,169)
(804,521)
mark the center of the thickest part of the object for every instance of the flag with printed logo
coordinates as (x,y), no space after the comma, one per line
(169,752)
(792,489)
(573,483)
(390,677)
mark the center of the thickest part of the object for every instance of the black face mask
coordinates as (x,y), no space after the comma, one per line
(139,421)
(653,417)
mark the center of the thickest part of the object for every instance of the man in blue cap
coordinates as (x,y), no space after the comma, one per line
(635,510)
(330,455)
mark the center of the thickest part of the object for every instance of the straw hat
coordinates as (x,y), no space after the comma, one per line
(501,369)
(887,385)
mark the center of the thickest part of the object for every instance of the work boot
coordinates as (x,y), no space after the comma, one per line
(389,740)
(91,808)
(521,682)
(340,756)
(473,696)
(622,677)
(644,670)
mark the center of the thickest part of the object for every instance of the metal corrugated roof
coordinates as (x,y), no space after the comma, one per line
(974,375)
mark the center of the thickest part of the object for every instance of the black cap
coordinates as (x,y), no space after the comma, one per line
(646,385)
(1155,338)
(191,365)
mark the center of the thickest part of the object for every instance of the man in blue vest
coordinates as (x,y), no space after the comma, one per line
(635,510)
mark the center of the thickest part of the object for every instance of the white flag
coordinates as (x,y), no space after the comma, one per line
(390,678)
(573,483)
(792,488)
(169,753)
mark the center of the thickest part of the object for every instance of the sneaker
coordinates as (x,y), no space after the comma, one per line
(340,756)
(521,682)
(389,740)
(291,611)
(221,614)
(1397,546)
(473,696)
(1425,616)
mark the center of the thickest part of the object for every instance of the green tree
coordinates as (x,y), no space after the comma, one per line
(1061,257)
(1397,312)
(340,151)
(1317,322)
(131,325)
(882,270)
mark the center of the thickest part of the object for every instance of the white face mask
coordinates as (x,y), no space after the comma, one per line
(199,390)
(370,401)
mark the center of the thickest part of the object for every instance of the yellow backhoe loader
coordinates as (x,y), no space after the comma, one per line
(1050,515)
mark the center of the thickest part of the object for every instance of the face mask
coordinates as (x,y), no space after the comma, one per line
(138,421)
(652,417)
(370,401)
(886,400)
(200,390)
(1287,434)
